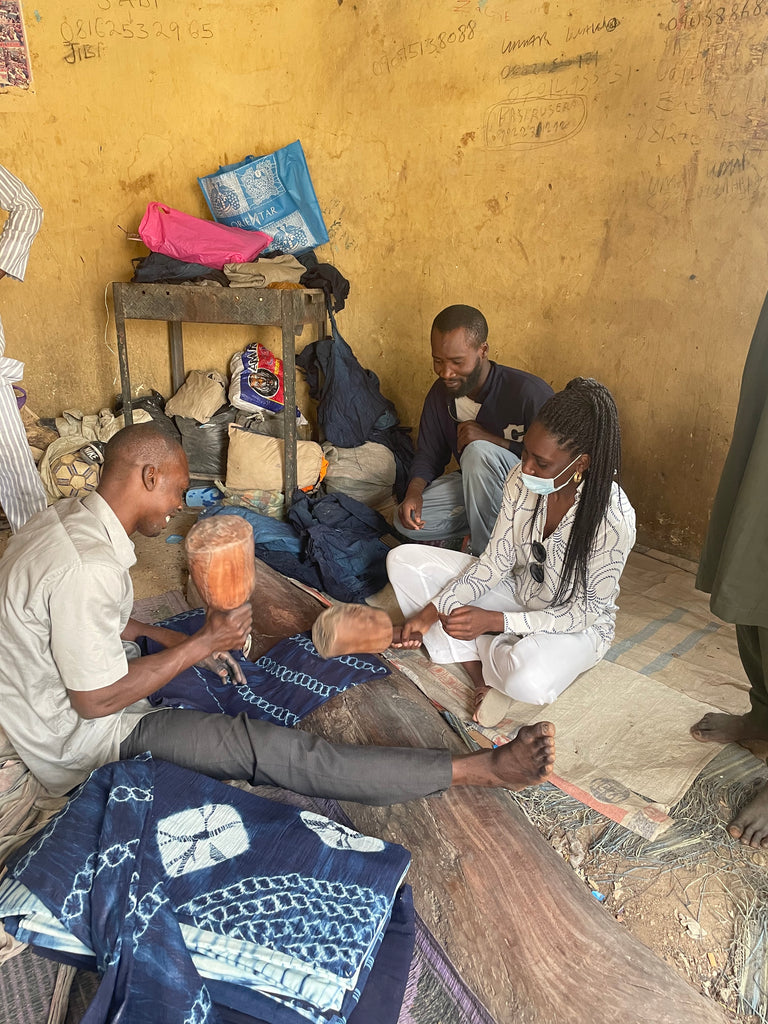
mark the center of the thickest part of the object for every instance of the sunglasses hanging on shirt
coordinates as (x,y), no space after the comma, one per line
(539,552)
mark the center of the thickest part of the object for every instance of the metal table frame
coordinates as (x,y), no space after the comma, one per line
(288,309)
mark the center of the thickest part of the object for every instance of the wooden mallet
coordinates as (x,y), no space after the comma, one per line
(220,554)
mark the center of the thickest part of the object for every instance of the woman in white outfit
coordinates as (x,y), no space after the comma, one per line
(538,607)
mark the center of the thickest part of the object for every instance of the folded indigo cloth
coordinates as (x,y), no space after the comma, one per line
(170,877)
(379,996)
(283,686)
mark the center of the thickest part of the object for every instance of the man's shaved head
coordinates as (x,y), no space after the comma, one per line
(472,320)
(142,444)
(144,477)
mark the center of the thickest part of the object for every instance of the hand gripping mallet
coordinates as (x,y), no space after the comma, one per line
(220,554)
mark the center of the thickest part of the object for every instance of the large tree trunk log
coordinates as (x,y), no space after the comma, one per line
(280,608)
(517,922)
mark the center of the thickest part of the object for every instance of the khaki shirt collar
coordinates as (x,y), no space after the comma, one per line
(118,538)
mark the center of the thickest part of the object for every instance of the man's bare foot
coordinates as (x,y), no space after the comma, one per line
(750,826)
(414,640)
(721,728)
(526,761)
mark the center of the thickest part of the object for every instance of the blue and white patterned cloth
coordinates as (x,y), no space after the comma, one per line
(283,686)
(166,876)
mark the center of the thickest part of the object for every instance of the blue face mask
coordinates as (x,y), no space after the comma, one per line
(546,484)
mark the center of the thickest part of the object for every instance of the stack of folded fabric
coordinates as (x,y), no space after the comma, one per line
(197,901)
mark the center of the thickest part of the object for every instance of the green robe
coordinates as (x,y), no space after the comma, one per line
(734,560)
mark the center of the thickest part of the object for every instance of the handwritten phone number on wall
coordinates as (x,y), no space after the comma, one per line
(82,29)
(424,48)
(528,124)
(718,16)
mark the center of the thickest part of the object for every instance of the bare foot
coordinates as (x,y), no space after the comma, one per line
(750,826)
(414,640)
(474,670)
(720,728)
(477,698)
(526,761)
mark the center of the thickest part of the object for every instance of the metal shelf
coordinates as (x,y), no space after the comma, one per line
(177,304)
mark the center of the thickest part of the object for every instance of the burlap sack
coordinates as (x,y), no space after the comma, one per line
(366,473)
(257,461)
(198,398)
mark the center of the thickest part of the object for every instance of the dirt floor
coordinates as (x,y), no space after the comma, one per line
(686,914)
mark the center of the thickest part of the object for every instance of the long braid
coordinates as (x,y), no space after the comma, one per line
(583,419)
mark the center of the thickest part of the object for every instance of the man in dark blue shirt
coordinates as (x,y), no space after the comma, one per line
(477,412)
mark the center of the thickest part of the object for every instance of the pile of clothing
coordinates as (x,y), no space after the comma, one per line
(275,270)
(213,904)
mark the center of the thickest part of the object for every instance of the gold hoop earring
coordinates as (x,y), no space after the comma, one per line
(577,477)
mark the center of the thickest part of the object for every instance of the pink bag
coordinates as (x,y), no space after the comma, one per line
(194,240)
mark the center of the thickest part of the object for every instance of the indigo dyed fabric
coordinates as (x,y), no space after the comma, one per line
(283,686)
(342,538)
(332,543)
(167,875)
(351,409)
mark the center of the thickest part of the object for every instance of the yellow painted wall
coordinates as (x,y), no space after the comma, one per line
(591,175)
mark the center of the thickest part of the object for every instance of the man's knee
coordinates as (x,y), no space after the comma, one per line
(484,457)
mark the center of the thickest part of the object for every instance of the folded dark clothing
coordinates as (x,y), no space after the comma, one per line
(327,277)
(160,269)
(331,543)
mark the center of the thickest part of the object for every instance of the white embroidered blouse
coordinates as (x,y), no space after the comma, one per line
(504,566)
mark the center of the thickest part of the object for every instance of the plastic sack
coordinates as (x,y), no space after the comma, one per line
(206,444)
(152,403)
(256,379)
(194,240)
(271,193)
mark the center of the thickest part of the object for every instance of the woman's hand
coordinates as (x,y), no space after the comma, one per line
(416,626)
(468,622)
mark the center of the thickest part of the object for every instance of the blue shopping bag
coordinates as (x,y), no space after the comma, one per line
(270,193)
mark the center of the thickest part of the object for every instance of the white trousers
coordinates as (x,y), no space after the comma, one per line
(534,669)
(21,490)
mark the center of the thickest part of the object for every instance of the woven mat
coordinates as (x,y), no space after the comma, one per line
(623,746)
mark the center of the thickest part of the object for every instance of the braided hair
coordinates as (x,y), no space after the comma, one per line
(583,419)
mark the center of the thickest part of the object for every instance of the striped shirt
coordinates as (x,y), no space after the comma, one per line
(26,216)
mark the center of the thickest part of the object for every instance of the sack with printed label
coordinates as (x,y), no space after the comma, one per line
(256,379)
(271,193)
